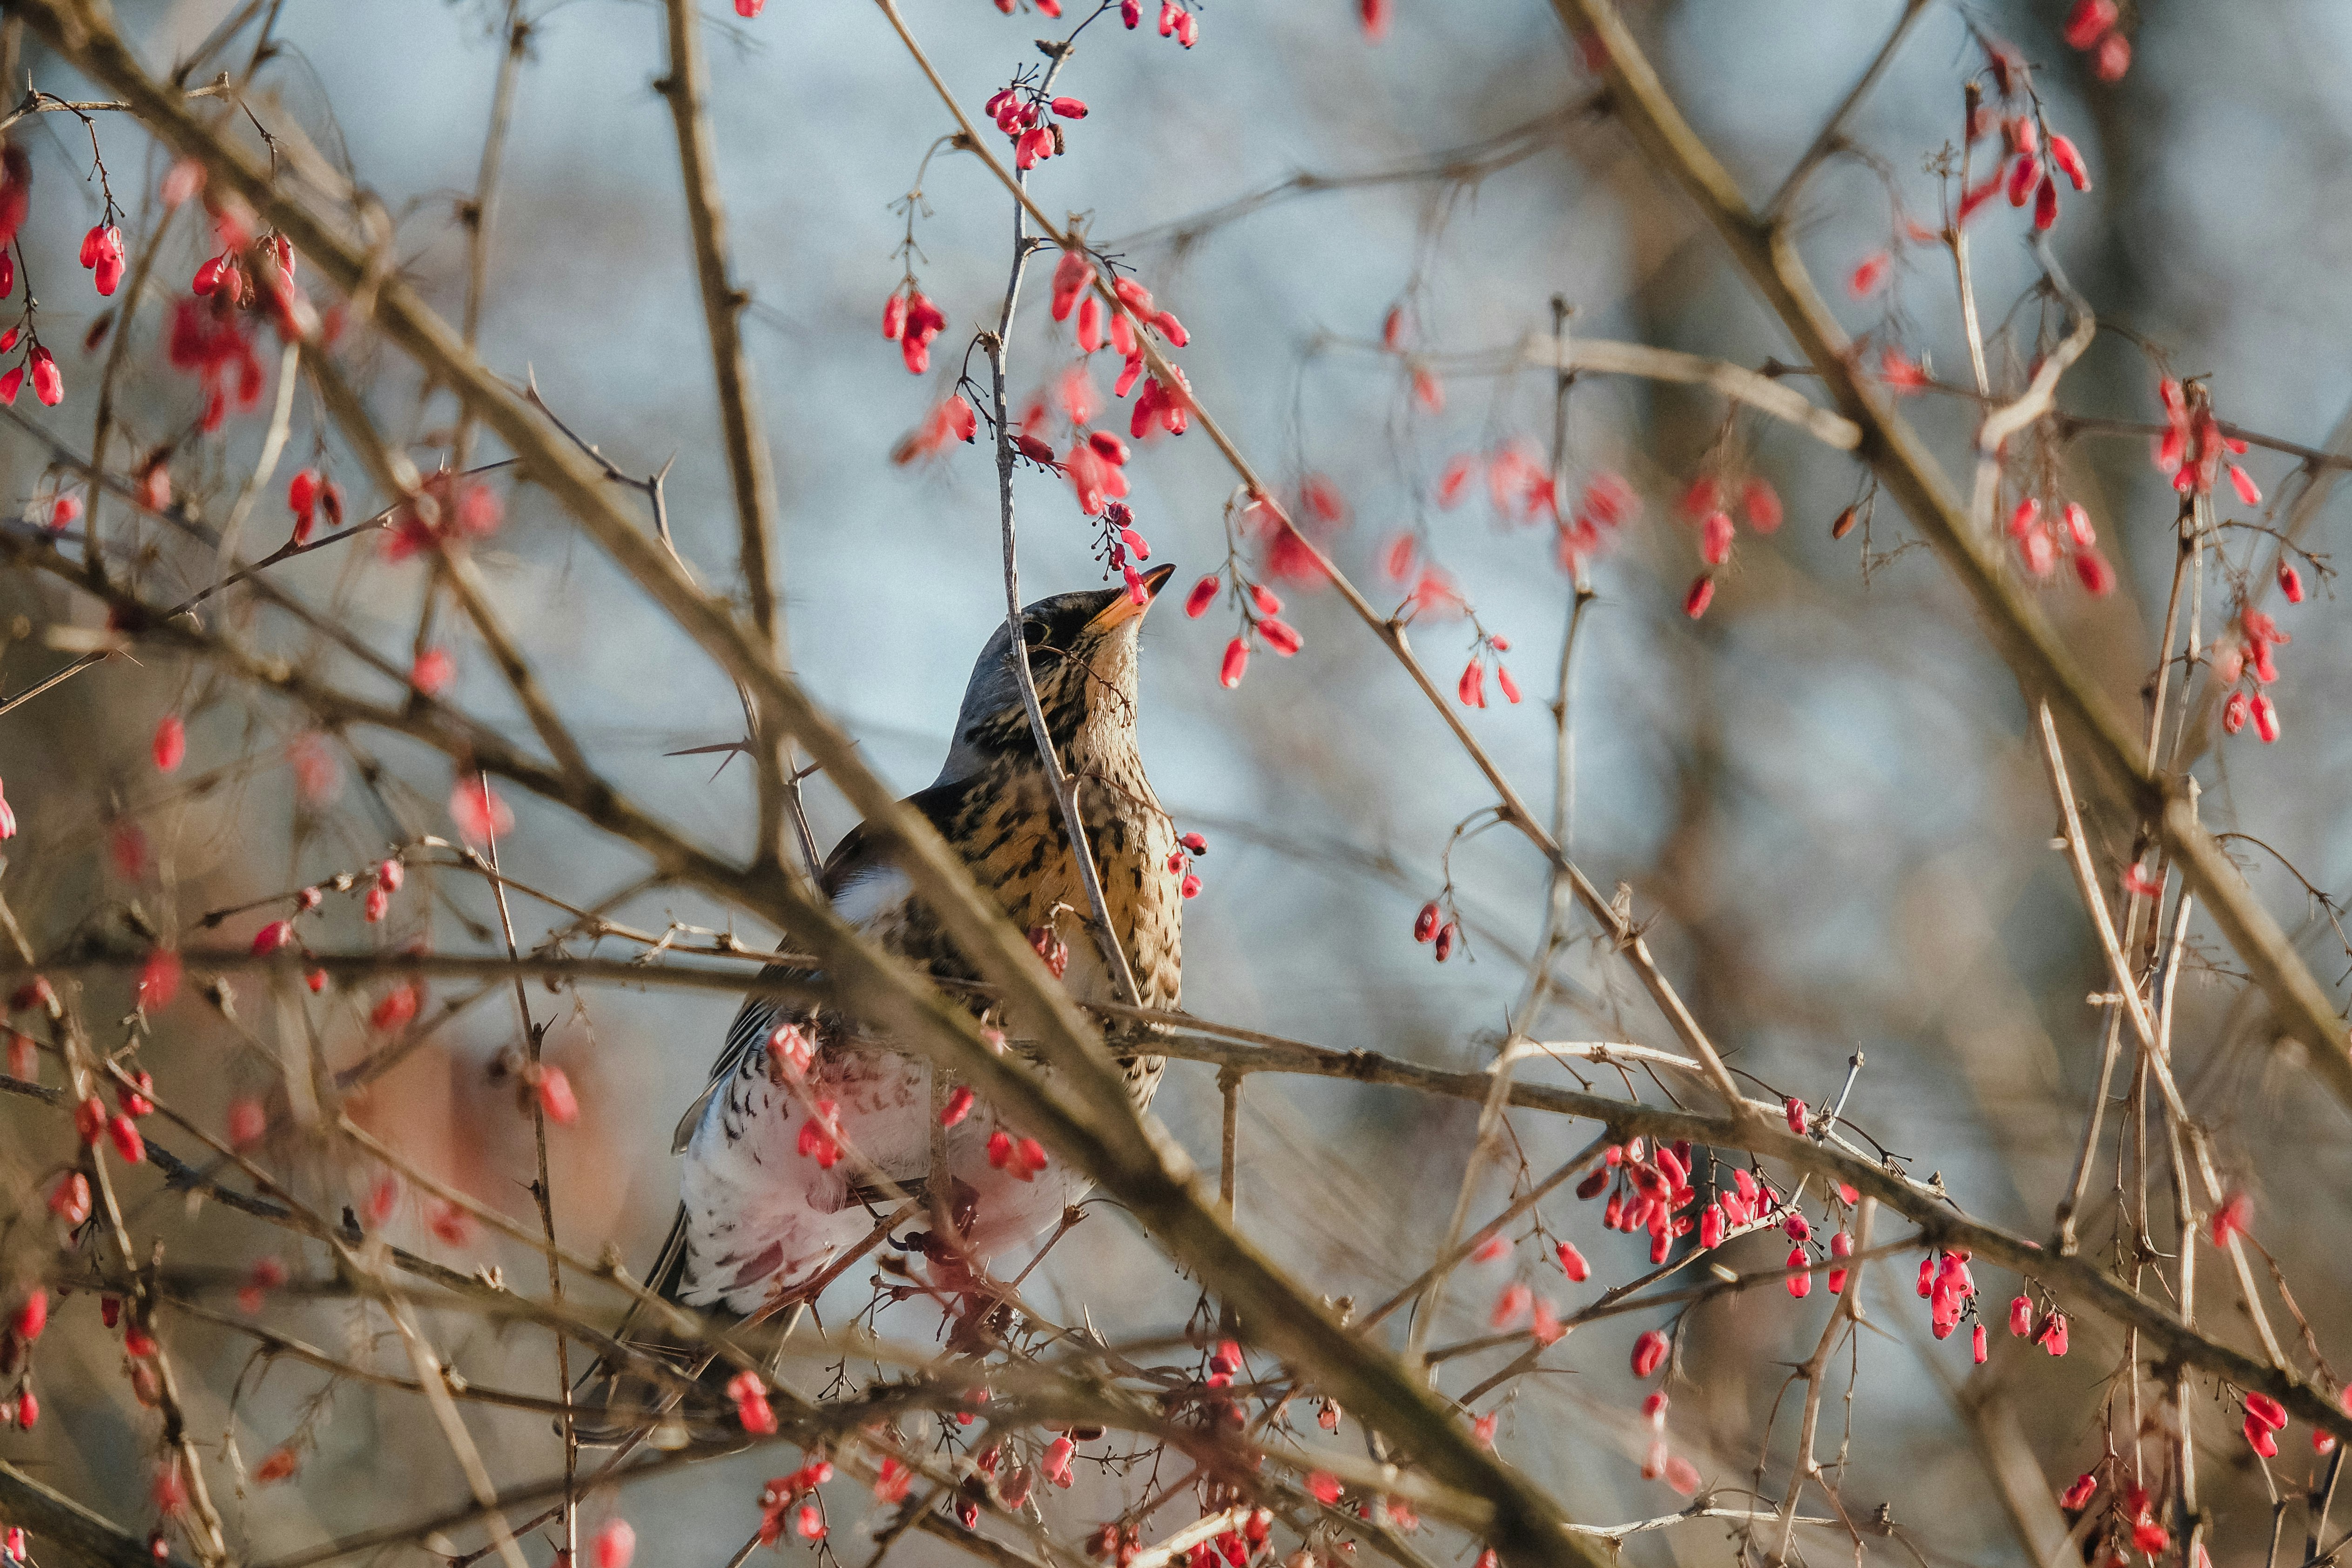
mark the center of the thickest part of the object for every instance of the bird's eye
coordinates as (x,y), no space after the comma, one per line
(1036,633)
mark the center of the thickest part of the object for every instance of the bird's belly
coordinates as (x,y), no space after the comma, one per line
(763,1215)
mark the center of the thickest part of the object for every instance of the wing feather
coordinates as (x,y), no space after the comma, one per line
(863,883)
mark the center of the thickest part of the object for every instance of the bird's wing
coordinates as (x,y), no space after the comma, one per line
(863,883)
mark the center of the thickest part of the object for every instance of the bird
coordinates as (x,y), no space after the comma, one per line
(766,1200)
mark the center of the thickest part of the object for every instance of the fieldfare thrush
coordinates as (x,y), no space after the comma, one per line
(762,1216)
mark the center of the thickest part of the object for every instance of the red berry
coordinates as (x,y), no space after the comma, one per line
(2069,159)
(2266,719)
(617,1544)
(556,1099)
(2090,21)
(123,1133)
(69,1200)
(2024,179)
(1714,536)
(1237,661)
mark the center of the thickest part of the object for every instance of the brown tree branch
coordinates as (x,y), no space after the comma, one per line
(749,463)
(56,1520)
(1602,356)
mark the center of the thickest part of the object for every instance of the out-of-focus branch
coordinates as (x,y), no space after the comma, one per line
(477,214)
(1601,356)
(686,86)
(2024,636)
(452,1422)
(1461,165)
(82,1536)
(1831,135)
(399,479)
(749,463)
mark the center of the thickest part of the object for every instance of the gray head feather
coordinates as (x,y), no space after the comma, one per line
(994,688)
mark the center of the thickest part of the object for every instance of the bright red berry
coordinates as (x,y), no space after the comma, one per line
(1236,661)
(2069,159)
(2266,718)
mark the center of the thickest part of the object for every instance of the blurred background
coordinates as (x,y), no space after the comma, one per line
(1823,790)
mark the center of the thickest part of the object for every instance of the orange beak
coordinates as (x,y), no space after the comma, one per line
(1123,609)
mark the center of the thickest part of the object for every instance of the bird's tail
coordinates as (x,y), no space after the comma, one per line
(619,1400)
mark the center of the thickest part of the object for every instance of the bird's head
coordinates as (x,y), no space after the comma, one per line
(1082,654)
